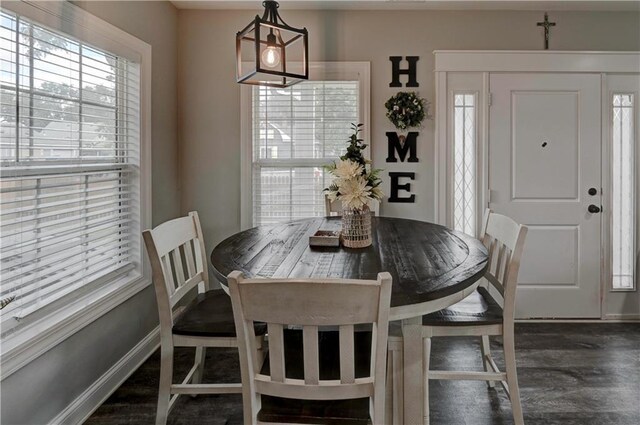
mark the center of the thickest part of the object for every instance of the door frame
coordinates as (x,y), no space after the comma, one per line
(482,64)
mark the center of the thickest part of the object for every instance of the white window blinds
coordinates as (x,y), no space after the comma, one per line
(296,131)
(69,161)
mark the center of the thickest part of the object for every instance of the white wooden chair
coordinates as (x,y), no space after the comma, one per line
(335,208)
(178,261)
(481,315)
(310,304)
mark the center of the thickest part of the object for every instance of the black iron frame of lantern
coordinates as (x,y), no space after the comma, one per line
(272,21)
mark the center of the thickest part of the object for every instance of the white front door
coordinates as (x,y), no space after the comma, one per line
(544,165)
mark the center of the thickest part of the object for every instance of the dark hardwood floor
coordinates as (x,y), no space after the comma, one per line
(582,374)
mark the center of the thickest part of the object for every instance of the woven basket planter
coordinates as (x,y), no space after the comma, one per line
(356,228)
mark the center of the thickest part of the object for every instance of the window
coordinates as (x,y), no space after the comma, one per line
(70,162)
(295,132)
(623,206)
(464,159)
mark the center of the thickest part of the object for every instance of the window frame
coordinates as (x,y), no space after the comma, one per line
(318,71)
(53,323)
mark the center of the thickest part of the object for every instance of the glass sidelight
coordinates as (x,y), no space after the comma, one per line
(464,163)
(623,194)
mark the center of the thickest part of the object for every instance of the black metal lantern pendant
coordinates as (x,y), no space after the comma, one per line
(271,53)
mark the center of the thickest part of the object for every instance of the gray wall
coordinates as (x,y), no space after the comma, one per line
(196,101)
(209,99)
(38,392)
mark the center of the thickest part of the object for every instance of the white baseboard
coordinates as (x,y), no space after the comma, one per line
(86,403)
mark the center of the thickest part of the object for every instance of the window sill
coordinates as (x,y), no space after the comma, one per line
(21,348)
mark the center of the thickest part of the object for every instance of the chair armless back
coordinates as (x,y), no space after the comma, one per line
(178,262)
(504,238)
(309,304)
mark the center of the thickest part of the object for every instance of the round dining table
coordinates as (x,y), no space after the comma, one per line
(432,267)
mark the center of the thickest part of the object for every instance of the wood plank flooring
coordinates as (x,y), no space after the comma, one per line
(582,374)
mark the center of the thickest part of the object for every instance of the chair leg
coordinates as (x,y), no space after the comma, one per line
(164,390)
(398,395)
(388,397)
(426,353)
(512,377)
(486,351)
(201,352)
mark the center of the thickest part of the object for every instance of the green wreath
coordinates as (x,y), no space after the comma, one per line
(406,109)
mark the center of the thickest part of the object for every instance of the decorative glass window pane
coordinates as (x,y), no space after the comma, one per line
(464,160)
(623,217)
(297,130)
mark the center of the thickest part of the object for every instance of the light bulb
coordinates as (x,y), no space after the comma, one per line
(271,57)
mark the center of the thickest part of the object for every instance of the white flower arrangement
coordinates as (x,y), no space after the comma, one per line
(355,184)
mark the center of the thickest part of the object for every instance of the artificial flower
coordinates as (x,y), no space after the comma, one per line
(355,193)
(347,169)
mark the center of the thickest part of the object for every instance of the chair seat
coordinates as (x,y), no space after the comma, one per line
(210,314)
(343,412)
(479,308)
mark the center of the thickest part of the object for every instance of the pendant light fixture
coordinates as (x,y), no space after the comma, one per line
(271,53)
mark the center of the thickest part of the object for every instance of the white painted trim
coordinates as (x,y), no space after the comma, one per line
(86,403)
(48,332)
(486,62)
(74,21)
(447,86)
(21,347)
(606,159)
(440,149)
(613,84)
(536,61)
(317,71)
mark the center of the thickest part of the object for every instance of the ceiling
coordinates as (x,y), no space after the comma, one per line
(594,5)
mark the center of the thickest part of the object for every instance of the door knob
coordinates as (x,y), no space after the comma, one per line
(593,209)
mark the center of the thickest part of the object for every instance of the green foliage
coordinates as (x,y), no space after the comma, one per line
(354,154)
(355,148)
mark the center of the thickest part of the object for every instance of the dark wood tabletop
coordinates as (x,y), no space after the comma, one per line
(427,261)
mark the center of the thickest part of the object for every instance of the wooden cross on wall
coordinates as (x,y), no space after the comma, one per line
(546,24)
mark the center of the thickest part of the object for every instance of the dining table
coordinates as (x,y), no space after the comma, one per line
(432,267)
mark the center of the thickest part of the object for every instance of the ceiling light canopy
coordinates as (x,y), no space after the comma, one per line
(271,53)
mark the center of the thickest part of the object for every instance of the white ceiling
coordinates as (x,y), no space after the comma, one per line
(599,5)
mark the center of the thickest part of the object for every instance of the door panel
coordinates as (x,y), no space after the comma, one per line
(544,155)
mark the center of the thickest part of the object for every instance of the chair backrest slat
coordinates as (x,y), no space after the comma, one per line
(168,272)
(169,247)
(177,266)
(311,355)
(311,304)
(276,351)
(190,256)
(347,355)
